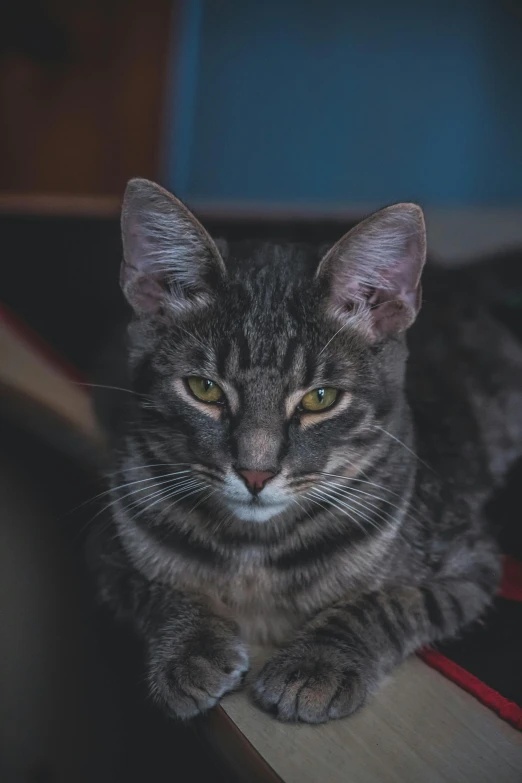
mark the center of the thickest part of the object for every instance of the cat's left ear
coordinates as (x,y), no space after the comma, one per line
(372,275)
(169,260)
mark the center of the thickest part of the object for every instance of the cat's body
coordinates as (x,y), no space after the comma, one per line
(366,538)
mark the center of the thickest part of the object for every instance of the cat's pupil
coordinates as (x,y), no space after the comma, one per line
(207,384)
(320,395)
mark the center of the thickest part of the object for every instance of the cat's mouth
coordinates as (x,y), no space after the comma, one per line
(257,507)
(255,510)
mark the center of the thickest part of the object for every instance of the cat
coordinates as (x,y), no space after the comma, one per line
(284,474)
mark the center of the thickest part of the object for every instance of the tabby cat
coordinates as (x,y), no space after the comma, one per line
(283,474)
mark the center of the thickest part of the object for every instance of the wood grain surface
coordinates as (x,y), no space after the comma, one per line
(420,727)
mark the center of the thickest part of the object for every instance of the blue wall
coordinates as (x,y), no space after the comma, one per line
(335,102)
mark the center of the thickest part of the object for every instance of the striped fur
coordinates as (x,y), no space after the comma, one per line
(370,541)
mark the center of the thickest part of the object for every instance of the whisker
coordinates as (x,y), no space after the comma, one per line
(333,338)
(420,517)
(113,502)
(319,493)
(222,522)
(359,481)
(193,337)
(169,492)
(166,496)
(368,519)
(371,508)
(381,516)
(111,388)
(347,491)
(184,497)
(397,440)
(161,511)
(213,474)
(328,510)
(201,501)
(144,467)
(293,500)
(201,488)
(164,491)
(371,484)
(122,486)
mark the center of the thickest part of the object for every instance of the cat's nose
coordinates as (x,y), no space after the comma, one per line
(256,479)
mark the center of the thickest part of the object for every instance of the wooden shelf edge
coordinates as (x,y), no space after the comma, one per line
(232,749)
(60,205)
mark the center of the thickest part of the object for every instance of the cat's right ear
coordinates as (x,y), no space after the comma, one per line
(169,260)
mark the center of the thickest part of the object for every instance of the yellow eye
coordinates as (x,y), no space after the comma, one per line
(204,389)
(319,399)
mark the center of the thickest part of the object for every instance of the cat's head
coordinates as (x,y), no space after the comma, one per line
(264,367)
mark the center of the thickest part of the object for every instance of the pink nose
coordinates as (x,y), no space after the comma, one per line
(256,479)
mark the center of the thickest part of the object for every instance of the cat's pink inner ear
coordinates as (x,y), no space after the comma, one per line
(393,317)
(139,281)
(143,290)
(376,269)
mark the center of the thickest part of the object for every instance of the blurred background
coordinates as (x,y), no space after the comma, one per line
(261,116)
(283,118)
(253,108)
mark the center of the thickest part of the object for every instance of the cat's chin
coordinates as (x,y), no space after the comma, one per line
(255,512)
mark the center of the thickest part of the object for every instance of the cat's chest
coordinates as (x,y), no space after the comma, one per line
(257,585)
(268,602)
(261,602)
(241,584)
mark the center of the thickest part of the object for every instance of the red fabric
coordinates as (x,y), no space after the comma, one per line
(510,589)
(511,586)
(38,345)
(507,710)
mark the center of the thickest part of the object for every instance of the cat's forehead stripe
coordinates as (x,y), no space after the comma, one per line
(288,357)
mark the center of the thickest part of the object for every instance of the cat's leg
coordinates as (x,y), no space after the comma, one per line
(194,655)
(340,658)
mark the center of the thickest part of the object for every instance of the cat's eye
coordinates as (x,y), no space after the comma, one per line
(319,399)
(205,390)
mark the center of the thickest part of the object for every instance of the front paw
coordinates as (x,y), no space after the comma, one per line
(191,667)
(313,683)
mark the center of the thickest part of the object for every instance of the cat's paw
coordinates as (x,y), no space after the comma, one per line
(312,683)
(191,669)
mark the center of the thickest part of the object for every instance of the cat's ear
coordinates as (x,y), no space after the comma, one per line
(168,257)
(372,275)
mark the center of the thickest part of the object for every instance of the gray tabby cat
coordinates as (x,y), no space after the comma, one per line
(284,475)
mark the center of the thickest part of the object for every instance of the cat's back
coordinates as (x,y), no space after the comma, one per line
(464,380)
